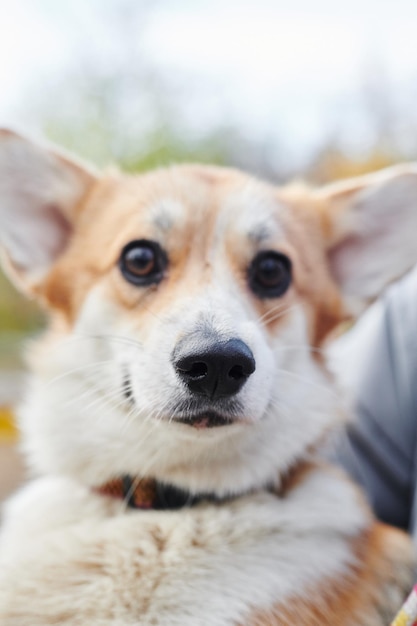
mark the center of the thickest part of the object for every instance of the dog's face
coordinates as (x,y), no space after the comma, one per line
(188,307)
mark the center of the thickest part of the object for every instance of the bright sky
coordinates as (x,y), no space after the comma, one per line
(292,67)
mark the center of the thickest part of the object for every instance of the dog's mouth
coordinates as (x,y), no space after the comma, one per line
(208,419)
(191,413)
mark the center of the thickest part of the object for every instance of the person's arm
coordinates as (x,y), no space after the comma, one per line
(379,446)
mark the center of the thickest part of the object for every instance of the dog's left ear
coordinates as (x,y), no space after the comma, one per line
(370,229)
(40,191)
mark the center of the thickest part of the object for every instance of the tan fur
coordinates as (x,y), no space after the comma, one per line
(366,595)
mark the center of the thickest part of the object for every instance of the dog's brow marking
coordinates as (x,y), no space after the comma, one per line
(166,213)
(256,213)
(163,222)
(260,233)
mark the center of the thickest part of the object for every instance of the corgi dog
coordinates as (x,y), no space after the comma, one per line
(180,394)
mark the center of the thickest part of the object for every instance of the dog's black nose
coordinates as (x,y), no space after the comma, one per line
(218,370)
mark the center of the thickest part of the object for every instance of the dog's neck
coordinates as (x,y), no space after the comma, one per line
(151,494)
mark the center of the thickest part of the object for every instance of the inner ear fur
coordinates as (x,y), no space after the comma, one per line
(369,226)
(41,189)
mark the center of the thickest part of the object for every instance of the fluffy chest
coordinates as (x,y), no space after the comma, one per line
(208,565)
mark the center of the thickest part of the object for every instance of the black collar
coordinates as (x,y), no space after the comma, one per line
(148,493)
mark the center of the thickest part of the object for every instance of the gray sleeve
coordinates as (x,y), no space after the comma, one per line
(378,447)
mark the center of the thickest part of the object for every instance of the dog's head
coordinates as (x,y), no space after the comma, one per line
(188,307)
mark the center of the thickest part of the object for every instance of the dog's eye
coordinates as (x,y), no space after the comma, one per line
(143,262)
(270,274)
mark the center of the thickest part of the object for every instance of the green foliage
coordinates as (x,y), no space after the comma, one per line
(166,148)
(160,147)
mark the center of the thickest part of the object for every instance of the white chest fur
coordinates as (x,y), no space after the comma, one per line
(81,559)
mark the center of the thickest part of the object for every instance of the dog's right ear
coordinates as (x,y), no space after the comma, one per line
(40,191)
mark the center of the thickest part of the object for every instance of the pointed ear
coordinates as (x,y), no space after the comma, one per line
(371,231)
(40,189)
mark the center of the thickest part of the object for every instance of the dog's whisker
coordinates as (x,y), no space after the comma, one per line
(109,337)
(77,398)
(139,411)
(92,387)
(273,316)
(162,410)
(135,483)
(157,415)
(277,307)
(106,399)
(78,369)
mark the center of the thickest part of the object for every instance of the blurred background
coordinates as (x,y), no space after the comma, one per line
(314,89)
